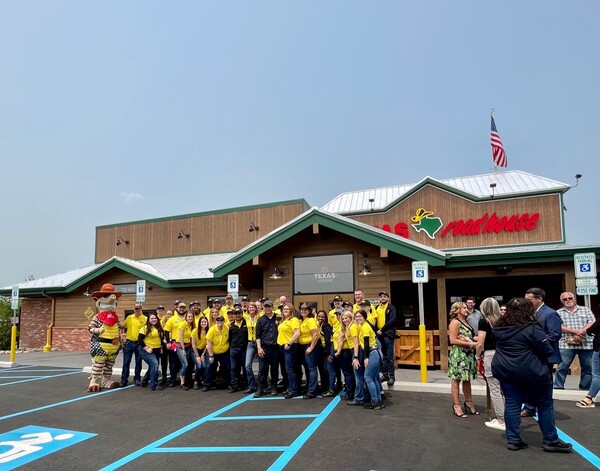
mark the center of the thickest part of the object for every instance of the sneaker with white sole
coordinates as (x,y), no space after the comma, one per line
(495,424)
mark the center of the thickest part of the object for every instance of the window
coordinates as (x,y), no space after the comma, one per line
(324,274)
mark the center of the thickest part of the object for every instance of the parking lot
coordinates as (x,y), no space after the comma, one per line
(51,422)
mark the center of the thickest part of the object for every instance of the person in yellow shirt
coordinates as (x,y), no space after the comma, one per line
(333,316)
(164,354)
(251,317)
(199,348)
(150,340)
(171,329)
(366,362)
(219,306)
(217,347)
(309,349)
(131,328)
(185,352)
(344,353)
(288,332)
(359,297)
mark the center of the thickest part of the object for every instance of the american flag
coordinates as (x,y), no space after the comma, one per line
(498,153)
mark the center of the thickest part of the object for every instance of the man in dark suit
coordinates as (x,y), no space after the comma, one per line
(551,323)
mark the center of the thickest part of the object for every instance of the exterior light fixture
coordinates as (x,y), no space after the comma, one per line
(253,227)
(277,274)
(182,234)
(87,293)
(120,241)
(366,269)
(493,188)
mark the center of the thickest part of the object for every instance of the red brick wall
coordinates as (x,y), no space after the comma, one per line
(36,314)
(70,339)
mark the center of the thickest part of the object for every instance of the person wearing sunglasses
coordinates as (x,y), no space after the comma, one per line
(574,341)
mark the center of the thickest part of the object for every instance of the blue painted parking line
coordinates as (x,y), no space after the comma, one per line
(219,449)
(38,378)
(267,417)
(287,452)
(62,403)
(578,448)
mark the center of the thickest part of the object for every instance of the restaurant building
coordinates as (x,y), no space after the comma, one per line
(487,235)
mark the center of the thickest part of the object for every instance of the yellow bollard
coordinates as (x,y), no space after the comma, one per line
(423,353)
(13,343)
(48,346)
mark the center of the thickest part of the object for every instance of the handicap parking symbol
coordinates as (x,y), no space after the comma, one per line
(585,267)
(32,442)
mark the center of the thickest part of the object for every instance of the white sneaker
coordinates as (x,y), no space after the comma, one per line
(495,425)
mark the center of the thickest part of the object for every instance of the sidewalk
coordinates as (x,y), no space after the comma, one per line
(408,379)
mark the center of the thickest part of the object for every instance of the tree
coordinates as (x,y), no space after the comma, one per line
(6,314)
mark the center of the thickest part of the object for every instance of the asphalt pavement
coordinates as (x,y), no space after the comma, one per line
(43,395)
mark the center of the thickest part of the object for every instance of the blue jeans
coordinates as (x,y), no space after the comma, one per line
(359,377)
(187,359)
(250,356)
(290,367)
(345,362)
(595,386)
(585,360)
(237,356)
(389,359)
(310,363)
(330,366)
(372,376)
(538,395)
(210,371)
(152,360)
(130,350)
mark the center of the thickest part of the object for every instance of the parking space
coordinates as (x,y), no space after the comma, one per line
(137,429)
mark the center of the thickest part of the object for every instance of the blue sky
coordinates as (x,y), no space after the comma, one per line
(117,111)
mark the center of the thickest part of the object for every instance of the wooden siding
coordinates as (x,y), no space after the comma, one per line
(209,233)
(70,309)
(450,207)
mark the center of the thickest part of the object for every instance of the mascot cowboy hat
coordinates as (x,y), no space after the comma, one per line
(106,290)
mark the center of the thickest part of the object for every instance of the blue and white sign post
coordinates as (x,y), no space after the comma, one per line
(585,276)
(233,285)
(420,275)
(14,304)
(140,291)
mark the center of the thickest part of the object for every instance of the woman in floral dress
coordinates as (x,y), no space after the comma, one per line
(462,366)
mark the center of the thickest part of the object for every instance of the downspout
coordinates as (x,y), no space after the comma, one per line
(48,346)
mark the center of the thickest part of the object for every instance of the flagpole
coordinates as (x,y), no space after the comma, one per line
(495,164)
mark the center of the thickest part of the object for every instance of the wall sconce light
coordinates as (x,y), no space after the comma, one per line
(120,241)
(277,274)
(182,234)
(253,228)
(493,187)
(366,269)
(87,293)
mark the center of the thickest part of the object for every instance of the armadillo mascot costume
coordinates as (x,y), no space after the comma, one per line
(105,343)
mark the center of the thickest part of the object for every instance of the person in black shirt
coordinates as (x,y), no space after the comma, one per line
(238,342)
(267,349)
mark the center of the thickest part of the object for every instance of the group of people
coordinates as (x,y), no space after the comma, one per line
(216,347)
(517,345)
